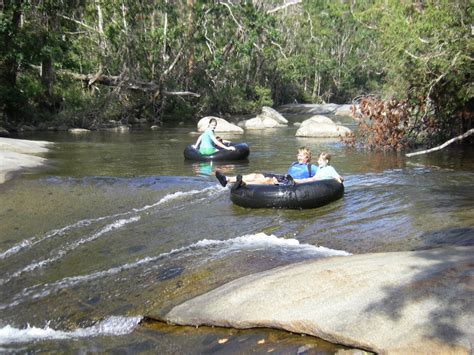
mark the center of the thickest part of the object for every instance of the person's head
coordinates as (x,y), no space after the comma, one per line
(213,123)
(304,155)
(324,159)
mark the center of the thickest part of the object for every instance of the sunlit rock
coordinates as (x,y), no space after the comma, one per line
(15,154)
(268,112)
(321,127)
(222,125)
(269,118)
(78,130)
(415,302)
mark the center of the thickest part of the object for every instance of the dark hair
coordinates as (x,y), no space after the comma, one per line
(212,120)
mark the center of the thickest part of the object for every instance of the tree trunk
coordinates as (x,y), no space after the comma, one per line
(47,78)
(47,68)
(9,69)
(191,47)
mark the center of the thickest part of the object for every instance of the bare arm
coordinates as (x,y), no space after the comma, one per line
(198,142)
(338,178)
(219,144)
(300,181)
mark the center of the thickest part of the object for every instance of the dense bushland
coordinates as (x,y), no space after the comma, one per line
(80,63)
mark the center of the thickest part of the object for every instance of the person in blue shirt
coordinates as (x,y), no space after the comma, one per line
(207,142)
(325,171)
(300,169)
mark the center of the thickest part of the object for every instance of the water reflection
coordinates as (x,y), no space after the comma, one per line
(209,168)
(202,168)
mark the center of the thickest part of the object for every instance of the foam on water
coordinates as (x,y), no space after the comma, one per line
(264,241)
(28,243)
(217,249)
(111,326)
(63,251)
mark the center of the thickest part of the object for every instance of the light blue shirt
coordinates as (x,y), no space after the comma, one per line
(327,172)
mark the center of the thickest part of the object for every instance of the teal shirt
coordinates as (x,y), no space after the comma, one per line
(207,146)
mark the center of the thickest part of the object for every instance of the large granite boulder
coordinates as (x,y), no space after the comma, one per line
(321,127)
(268,118)
(268,112)
(418,302)
(222,125)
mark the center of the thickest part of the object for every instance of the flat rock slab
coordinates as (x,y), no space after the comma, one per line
(401,302)
(23,146)
(15,154)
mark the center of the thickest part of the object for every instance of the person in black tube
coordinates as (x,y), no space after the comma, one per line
(325,170)
(301,169)
(207,143)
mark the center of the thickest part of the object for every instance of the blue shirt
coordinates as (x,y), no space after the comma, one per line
(301,171)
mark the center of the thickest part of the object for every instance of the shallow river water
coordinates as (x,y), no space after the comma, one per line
(120,226)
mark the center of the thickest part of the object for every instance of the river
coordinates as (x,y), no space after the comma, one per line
(119,225)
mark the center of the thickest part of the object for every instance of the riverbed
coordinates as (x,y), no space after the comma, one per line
(119,224)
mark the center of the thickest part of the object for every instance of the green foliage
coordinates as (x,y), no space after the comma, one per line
(237,56)
(262,98)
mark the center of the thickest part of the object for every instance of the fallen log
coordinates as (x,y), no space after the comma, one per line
(444,145)
(119,80)
(115,80)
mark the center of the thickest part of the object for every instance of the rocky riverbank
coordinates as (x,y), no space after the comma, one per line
(19,154)
(397,303)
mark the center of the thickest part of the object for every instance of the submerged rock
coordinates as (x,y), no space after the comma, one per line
(402,302)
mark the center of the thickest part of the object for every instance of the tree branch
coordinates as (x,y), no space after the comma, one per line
(444,145)
(284,6)
(116,80)
(79,23)
(239,26)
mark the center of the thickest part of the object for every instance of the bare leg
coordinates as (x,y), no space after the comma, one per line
(253,178)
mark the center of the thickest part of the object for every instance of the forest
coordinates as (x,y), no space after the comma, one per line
(80,63)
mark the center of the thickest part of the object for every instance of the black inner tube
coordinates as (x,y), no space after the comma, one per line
(300,196)
(241,152)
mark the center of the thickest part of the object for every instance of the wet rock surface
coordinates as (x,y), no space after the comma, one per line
(401,302)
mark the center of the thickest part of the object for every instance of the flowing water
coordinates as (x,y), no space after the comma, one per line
(118,227)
